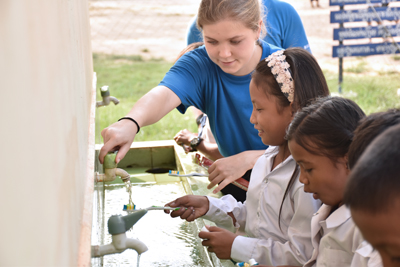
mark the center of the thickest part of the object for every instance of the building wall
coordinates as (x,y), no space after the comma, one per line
(46,103)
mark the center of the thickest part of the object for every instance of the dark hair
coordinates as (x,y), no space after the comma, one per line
(374,182)
(309,80)
(327,123)
(309,83)
(369,128)
(326,126)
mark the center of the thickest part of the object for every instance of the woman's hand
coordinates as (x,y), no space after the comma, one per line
(226,170)
(184,137)
(219,241)
(192,207)
(118,136)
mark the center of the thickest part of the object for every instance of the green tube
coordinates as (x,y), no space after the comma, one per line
(109,161)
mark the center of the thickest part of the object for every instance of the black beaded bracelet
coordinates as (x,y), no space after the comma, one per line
(135,122)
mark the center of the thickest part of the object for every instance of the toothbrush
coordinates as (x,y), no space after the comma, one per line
(133,208)
(163,208)
(176,173)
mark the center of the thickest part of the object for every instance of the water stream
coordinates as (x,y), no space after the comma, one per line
(171,241)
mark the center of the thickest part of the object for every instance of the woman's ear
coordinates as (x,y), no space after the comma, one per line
(259,28)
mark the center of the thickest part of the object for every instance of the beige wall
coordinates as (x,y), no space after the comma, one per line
(46,80)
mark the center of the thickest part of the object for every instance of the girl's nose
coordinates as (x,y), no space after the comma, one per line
(253,118)
(302,178)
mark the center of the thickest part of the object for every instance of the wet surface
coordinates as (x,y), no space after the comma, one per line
(171,241)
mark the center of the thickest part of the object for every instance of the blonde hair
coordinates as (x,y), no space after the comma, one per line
(249,12)
(189,48)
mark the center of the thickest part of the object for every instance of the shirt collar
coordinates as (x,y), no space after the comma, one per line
(272,151)
(338,217)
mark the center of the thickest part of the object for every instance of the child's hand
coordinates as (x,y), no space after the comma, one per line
(227,170)
(219,241)
(192,207)
(223,172)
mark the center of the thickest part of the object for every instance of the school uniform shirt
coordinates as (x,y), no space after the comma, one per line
(266,241)
(338,242)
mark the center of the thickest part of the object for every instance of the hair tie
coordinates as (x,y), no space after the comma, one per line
(135,122)
(281,71)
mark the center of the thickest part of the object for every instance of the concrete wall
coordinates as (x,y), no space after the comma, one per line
(46,107)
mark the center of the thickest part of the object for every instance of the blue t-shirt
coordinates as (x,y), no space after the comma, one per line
(284,26)
(225,98)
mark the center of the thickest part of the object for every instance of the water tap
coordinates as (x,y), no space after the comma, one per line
(117,227)
(105,94)
(111,171)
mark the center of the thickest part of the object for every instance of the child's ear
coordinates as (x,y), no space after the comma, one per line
(346,159)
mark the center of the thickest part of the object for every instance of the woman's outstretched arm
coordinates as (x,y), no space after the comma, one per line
(148,110)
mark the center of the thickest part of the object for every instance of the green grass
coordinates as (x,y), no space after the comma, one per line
(361,67)
(130,77)
(371,93)
(396,57)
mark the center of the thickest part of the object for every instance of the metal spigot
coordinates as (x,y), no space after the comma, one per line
(105,94)
(118,224)
(117,227)
(111,171)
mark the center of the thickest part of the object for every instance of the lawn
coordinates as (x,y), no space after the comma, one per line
(129,78)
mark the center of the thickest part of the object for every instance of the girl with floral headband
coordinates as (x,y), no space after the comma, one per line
(276,215)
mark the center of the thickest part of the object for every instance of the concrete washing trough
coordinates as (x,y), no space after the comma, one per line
(170,241)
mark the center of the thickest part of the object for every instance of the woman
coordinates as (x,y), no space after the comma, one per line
(214,78)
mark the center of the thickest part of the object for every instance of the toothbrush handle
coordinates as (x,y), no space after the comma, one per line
(161,208)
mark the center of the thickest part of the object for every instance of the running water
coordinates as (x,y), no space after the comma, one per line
(138,259)
(128,186)
(162,234)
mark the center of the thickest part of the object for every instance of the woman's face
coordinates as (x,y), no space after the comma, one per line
(321,176)
(232,46)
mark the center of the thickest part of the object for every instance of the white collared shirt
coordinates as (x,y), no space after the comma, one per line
(338,242)
(258,216)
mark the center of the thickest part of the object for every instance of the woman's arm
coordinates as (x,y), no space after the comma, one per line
(210,150)
(148,110)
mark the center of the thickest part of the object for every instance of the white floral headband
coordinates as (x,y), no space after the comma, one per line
(281,71)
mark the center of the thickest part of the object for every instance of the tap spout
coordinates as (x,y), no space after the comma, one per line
(105,94)
(117,227)
(111,171)
(106,101)
(125,176)
(118,245)
(110,175)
